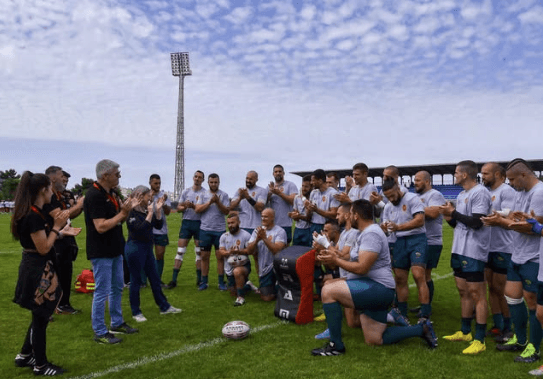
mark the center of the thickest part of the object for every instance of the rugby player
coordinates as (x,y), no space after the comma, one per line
(234,242)
(250,202)
(321,202)
(389,173)
(369,288)
(281,195)
(190,228)
(213,206)
(359,187)
(501,248)
(160,236)
(266,241)
(407,223)
(523,271)
(470,248)
(302,218)
(332,180)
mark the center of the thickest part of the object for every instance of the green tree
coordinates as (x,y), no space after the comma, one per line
(82,188)
(9,180)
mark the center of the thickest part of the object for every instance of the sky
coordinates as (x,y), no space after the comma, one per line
(307,84)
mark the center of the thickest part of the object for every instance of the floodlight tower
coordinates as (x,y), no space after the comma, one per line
(181,68)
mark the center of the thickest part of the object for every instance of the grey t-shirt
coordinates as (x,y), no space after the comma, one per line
(434,227)
(194,197)
(231,241)
(265,256)
(213,219)
(280,206)
(526,246)
(346,238)
(249,217)
(357,192)
(164,229)
(472,243)
(405,211)
(373,239)
(387,216)
(299,205)
(323,200)
(501,240)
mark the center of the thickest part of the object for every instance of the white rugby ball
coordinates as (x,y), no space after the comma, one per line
(237,260)
(236,330)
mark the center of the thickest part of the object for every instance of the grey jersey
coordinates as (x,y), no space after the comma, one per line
(299,206)
(231,241)
(434,227)
(387,216)
(501,240)
(373,239)
(346,238)
(472,243)
(164,229)
(526,246)
(280,206)
(213,219)
(249,217)
(323,200)
(405,211)
(357,192)
(265,256)
(192,196)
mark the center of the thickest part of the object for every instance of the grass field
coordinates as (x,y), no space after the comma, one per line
(190,344)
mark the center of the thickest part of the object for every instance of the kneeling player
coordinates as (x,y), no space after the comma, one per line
(369,288)
(233,247)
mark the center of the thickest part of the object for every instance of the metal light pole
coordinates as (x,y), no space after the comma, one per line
(181,68)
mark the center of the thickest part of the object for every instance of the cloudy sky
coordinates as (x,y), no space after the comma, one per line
(309,84)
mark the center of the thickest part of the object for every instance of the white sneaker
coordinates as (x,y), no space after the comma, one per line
(239,301)
(139,318)
(171,310)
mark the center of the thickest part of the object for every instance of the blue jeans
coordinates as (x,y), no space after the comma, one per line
(139,256)
(108,278)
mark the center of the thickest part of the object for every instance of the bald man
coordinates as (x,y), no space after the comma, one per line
(502,197)
(432,200)
(522,273)
(266,241)
(249,202)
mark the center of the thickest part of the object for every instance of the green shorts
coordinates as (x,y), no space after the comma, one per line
(161,239)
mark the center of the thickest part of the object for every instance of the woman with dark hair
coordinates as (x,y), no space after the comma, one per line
(37,287)
(139,251)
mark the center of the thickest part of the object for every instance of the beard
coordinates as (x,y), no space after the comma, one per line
(234,229)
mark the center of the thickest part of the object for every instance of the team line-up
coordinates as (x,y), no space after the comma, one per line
(366,241)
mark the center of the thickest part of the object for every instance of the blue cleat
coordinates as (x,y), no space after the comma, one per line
(324,335)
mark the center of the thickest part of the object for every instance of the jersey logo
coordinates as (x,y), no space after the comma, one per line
(281,189)
(270,237)
(493,198)
(253,194)
(466,200)
(404,208)
(422,200)
(197,198)
(323,199)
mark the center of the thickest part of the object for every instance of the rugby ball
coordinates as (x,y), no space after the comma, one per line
(237,260)
(235,330)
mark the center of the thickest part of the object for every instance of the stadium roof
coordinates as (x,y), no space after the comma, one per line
(434,169)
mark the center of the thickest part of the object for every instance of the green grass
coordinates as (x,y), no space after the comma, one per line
(281,351)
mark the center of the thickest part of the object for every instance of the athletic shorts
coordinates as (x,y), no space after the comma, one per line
(540,293)
(498,262)
(267,284)
(161,239)
(525,273)
(316,228)
(472,270)
(232,279)
(409,251)
(190,229)
(433,253)
(302,237)
(288,230)
(210,238)
(371,298)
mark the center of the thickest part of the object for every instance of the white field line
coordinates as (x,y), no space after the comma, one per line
(435,277)
(163,356)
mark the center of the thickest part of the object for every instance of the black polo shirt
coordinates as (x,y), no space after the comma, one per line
(63,245)
(98,204)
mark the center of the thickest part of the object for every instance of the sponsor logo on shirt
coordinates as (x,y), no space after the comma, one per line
(493,198)
(323,199)
(404,208)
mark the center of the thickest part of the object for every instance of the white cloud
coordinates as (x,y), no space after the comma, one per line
(239,15)
(532,16)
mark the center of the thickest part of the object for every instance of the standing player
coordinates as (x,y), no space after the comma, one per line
(250,202)
(266,241)
(362,189)
(389,173)
(369,288)
(321,203)
(432,200)
(332,180)
(160,236)
(501,248)
(407,223)
(234,243)
(470,248)
(213,206)
(281,198)
(302,218)
(522,273)
(190,227)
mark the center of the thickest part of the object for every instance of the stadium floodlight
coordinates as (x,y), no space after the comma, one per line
(181,68)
